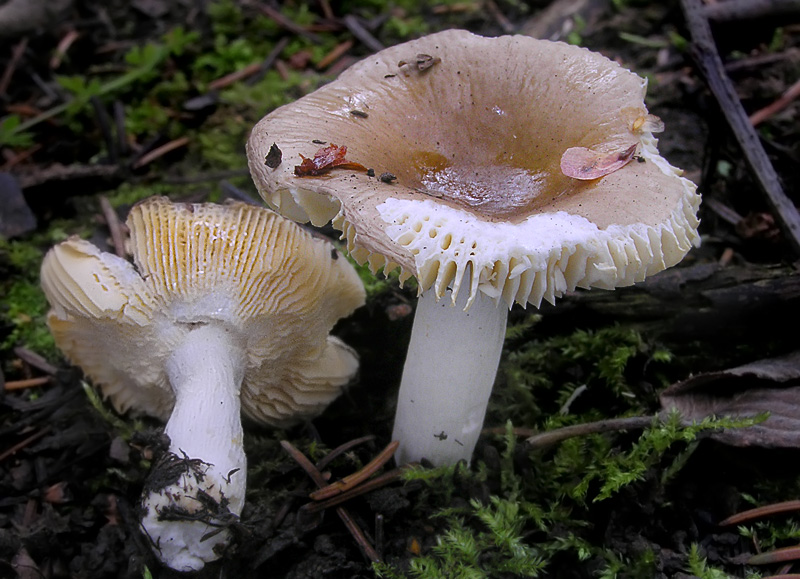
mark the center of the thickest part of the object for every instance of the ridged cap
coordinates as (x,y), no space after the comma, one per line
(276,288)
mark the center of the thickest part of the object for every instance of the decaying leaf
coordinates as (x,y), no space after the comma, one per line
(771,385)
(585,164)
(274,156)
(326,159)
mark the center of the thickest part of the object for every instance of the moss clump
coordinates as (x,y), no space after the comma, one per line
(25,307)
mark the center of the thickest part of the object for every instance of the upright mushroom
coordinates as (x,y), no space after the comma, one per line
(227,307)
(514,183)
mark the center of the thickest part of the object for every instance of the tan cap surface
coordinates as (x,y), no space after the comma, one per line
(474,129)
(277,289)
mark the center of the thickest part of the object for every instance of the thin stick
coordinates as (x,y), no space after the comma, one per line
(104,120)
(364,37)
(551,437)
(370,485)
(776,556)
(344,515)
(287,24)
(16,55)
(758,512)
(63,46)
(28,383)
(235,76)
(35,360)
(747,9)
(338,51)
(777,106)
(710,64)
(114,227)
(161,151)
(342,448)
(23,443)
(354,479)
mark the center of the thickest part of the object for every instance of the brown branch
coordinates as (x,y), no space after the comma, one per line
(761,115)
(27,383)
(357,477)
(731,10)
(161,151)
(344,515)
(545,439)
(114,226)
(16,55)
(710,64)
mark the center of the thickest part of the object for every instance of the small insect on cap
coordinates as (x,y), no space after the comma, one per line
(275,289)
(524,167)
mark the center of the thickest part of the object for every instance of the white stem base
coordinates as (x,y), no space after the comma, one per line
(206,477)
(447,379)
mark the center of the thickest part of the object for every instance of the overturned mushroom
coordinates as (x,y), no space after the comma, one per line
(481,210)
(227,307)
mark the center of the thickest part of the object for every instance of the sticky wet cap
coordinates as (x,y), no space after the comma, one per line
(475,129)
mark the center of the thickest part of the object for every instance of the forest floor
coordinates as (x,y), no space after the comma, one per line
(112,102)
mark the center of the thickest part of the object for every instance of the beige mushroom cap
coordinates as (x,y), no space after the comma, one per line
(474,129)
(273,286)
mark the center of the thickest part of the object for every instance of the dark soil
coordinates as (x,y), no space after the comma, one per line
(71,474)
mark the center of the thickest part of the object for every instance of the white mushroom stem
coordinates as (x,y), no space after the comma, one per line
(448,376)
(205,432)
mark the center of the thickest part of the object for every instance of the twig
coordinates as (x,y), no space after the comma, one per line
(18,158)
(28,383)
(777,106)
(370,485)
(269,61)
(16,55)
(725,212)
(342,448)
(104,121)
(758,512)
(334,54)
(62,48)
(357,477)
(23,443)
(234,192)
(344,515)
(119,123)
(364,36)
(235,76)
(776,556)
(710,64)
(35,360)
(160,152)
(746,9)
(287,24)
(499,17)
(551,437)
(206,177)
(114,227)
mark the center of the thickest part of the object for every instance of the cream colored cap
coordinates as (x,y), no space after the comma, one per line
(474,130)
(276,288)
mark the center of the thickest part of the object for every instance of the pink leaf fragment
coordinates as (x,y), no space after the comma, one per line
(585,164)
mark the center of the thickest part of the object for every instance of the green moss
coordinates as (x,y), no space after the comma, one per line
(24,305)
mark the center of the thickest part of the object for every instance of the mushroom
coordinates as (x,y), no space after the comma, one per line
(228,307)
(524,169)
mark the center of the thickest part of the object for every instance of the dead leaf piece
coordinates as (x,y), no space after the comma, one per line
(325,160)
(274,156)
(771,385)
(585,164)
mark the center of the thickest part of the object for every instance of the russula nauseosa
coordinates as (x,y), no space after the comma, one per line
(226,308)
(523,169)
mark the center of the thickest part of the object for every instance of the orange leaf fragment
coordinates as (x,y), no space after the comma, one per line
(326,159)
(585,164)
